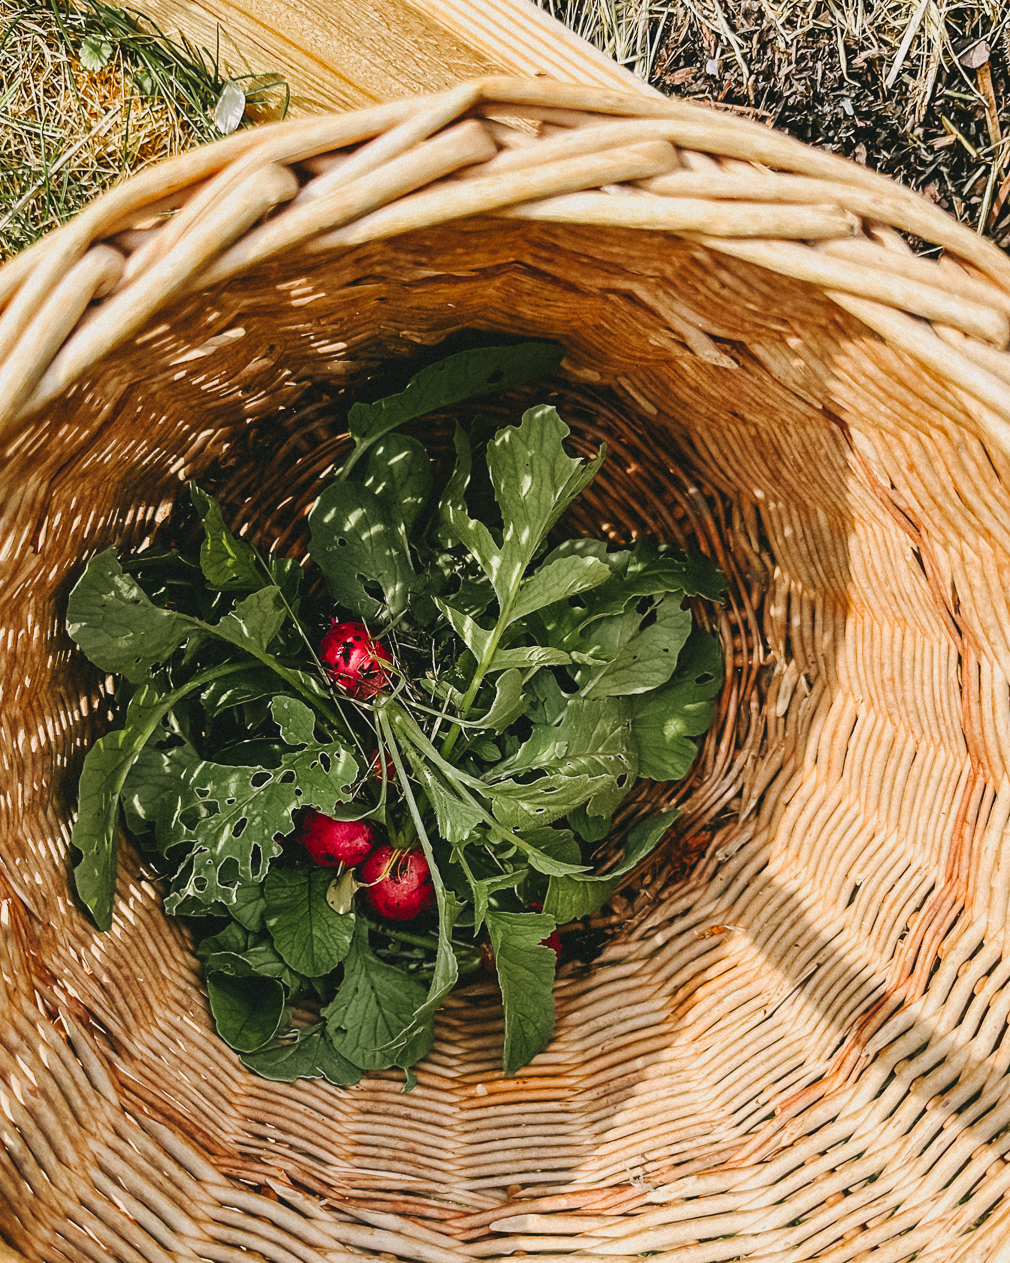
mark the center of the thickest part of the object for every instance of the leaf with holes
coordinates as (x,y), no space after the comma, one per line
(247,809)
(664,720)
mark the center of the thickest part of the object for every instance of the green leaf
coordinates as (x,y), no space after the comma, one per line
(253,960)
(255,621)
(95,53)
(236,690)
(533,656)
(309,935)
(508,703)
(309,1056)
(373,1008)
(589,757)
(226,562)
(467,375)
(398,472)
(232,939)
(471,633)
(570,898)
(663,720)
(647,658)
(248,1011)
(557,581)
(534,481)
(526,976)
(486,886)
(103,777)
(247,808)
(117,626)
(295,720)
(249,908)
(456,819)
(355,541)
(589,828)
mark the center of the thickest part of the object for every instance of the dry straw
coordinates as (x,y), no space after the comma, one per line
(793,1048)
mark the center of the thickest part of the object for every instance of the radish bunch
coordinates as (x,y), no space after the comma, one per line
(446,739)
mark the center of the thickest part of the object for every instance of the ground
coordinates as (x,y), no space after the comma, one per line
(914,88)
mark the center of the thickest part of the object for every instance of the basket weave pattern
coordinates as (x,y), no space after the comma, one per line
(795,1051)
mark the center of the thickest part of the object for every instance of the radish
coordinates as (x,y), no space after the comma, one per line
(331,842)
(375,767)
(397,884)
(354,661)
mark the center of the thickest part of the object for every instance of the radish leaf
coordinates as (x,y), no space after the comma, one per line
(308,934)
(310,1055)
(526,976)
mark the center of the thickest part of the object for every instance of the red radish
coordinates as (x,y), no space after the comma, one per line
(355,662)
(397,884)
(375,767)
(331,842)
(553,939)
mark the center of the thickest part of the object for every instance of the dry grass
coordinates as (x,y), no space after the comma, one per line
(90,94)
(904,86)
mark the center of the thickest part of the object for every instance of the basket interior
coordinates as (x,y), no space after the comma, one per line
(802,1006)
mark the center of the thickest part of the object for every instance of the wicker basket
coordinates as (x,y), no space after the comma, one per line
(795,1046)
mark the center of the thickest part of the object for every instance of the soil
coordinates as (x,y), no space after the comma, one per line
(937,128)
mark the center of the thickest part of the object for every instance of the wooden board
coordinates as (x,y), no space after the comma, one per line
(340,54)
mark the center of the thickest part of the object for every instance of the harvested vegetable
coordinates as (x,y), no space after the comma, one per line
(356,814)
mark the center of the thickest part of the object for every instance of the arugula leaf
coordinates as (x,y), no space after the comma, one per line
(248,1010)
(467,375)
(310,1055)
(483,887)
(534,481)
(119,628)
(589,757)
(466,628)
(532,656)
(663,720)
(308,934)
(647,658)
(373,1008)
(295,720)
(254,622)
(508,703)
(250,685)
(456,818)
(570,898)
(559,580)
(398,472)
(355,541)
(526,976)
(226,562)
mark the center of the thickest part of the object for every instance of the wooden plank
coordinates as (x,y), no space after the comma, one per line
(342,54)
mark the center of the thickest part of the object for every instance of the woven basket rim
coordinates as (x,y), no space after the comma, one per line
(86,288)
